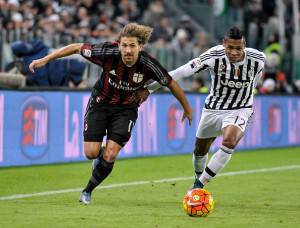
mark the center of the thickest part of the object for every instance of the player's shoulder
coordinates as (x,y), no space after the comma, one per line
(146,58)
(110,44)
(256,54)
(215,51)
(217,48)
(106,47)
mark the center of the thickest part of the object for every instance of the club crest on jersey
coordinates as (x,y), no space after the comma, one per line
(87,52)
(137,77)
(251,72)
(222,68)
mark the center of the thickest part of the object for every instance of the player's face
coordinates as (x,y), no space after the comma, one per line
(234,49)
(129,48)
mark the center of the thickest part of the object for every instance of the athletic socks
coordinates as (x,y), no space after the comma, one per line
(102,170)
(217,162)
(199,163)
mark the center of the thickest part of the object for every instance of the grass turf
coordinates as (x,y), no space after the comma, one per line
(263,199)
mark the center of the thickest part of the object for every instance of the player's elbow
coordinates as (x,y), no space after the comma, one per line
(172,84)
(75,47)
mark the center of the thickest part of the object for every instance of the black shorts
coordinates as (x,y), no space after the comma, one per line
(115,121)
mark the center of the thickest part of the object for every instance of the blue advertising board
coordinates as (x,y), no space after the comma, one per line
(46,127)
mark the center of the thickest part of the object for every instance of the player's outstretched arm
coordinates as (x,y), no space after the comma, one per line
(181,72)
(177,74)
(62,52)
(179,94)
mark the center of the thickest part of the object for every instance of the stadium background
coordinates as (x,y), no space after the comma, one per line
(41,116)
(180,34)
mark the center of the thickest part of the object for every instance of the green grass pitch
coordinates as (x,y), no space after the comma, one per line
(257,189)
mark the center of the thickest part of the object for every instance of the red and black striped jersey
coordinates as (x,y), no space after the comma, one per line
(118,81)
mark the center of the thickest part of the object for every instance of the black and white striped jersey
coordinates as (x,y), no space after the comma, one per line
(232,83)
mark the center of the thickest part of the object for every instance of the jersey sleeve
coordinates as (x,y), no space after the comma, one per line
(203,62)
(96,53)
(158,73)
(261,65)
(188,69)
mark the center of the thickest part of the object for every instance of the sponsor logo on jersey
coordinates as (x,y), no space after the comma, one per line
(137,77)
(233,84)
(251,72)
(35,122)
(87,53)
(121,85)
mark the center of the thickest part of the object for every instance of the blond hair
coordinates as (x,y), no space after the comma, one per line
(141,32)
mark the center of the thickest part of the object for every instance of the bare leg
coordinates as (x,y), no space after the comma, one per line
(91,149)
(231,136)
(200,155)
(103,168)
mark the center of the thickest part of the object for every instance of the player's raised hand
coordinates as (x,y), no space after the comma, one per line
(37,64)
(187,114)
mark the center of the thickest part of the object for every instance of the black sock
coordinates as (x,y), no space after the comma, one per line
(102,170)
(198,173)
(90,187)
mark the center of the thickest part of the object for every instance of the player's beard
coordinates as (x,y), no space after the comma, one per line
(129,59)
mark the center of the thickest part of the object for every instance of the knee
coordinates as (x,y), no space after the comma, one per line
(91,153)
(229,143)
(110,154)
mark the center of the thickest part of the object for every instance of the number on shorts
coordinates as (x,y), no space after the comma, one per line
(130,125)
(241,123)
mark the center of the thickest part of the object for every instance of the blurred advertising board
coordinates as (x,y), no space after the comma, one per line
(46,127)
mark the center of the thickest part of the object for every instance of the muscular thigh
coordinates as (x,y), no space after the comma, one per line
(231,136)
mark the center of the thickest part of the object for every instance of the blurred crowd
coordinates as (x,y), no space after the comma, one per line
(60,22)
(261,24)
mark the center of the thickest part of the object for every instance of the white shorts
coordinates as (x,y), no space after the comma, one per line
(213,121)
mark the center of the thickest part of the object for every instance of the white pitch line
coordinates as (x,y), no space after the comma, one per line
(135,183)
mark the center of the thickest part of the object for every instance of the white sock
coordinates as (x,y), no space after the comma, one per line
(217,162)
(199,164)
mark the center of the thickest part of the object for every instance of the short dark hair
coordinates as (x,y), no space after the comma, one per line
(234,33)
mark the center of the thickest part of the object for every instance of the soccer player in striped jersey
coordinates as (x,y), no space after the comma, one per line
(235,71)
(110,111)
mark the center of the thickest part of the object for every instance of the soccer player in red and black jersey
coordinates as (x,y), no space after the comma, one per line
(111,110)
